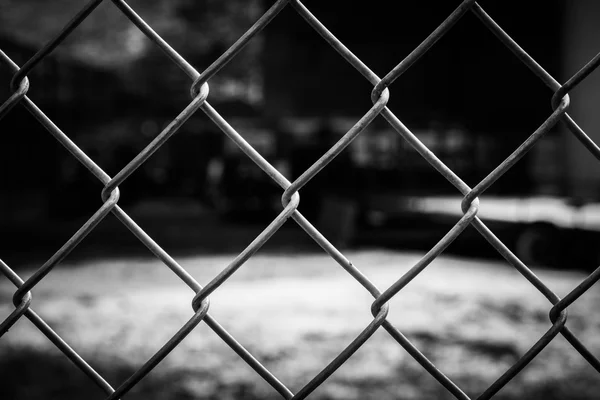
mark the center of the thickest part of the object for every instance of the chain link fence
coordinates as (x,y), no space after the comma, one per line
(23,298)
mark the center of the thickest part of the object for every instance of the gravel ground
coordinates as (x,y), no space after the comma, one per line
(295,313)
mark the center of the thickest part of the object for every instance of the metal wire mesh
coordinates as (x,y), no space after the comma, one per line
(23,298)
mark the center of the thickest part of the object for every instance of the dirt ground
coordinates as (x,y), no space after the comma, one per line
(295,311)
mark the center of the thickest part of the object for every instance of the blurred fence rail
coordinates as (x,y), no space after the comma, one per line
(23,298)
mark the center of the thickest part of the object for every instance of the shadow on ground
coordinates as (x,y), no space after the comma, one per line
(179,232)
(184,229)
(35,375)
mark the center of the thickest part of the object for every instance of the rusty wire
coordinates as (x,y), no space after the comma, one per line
(199,89)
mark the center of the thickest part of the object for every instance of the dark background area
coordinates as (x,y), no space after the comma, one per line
(468,76)
(112,91)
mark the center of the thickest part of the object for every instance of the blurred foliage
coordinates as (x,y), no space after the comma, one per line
(111,90)
(106,39)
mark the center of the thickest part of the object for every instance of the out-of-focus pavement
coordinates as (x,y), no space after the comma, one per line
(291,305)
(295,313)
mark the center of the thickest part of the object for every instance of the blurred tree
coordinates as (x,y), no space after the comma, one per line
(111,90)
(199,30)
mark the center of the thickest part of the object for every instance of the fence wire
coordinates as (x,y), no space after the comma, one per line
(199,90)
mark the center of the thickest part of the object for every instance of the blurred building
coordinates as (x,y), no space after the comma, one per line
(467,79)
(579,44)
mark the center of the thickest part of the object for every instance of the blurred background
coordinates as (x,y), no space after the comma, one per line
(291,96)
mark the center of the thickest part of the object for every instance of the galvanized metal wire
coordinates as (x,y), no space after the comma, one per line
(23,298)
